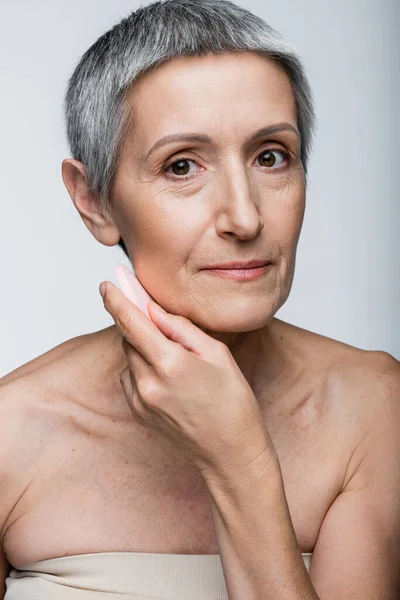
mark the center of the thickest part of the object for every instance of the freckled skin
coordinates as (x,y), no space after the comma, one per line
(95,480)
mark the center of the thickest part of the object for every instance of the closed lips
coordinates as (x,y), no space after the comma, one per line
(238,265)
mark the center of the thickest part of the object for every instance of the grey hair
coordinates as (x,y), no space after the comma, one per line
(95,107)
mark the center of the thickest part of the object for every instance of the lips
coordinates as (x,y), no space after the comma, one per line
(240,265)
(241,274)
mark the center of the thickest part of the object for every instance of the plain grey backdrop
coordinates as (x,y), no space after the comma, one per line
(346,283)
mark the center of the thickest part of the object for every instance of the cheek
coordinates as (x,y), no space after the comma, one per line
(283,220)
(296,216)
(165,242)
(179,228)
(291,212)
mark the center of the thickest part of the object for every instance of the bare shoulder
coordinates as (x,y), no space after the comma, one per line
(28,423)
(374,379)
(18,449)
(367,383)
(352,372)
(357,389)
(47,359)
(370,381)
(370,365)
(350,364)
(363,519)
(380,384)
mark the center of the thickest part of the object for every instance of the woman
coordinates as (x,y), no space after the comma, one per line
(210,450)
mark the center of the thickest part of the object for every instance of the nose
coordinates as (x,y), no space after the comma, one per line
(238,208)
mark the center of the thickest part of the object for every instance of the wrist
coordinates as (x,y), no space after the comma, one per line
(245,467)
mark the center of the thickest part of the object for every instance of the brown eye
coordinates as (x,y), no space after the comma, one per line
(271,160)
(180,167)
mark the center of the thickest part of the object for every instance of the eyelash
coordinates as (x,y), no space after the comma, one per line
(185,178)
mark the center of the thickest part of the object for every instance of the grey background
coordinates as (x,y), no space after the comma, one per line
(346,284)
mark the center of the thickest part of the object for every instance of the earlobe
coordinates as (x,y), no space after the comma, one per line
(101,227)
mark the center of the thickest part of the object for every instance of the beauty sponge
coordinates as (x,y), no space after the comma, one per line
(132,288)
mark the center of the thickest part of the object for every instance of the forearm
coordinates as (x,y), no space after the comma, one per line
(258,547)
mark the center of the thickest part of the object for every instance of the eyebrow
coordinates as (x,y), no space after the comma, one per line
(198,137)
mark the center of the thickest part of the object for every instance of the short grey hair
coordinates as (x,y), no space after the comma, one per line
(95,105)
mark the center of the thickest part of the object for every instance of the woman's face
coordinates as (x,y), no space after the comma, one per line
(185,205)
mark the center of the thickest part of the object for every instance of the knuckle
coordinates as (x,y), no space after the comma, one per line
(181,319)
(170,363)
(124,321)
(148,389)
(223,349)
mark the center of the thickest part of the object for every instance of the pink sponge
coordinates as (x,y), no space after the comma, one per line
(132,288)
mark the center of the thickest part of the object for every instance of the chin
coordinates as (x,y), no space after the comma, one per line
(227,324)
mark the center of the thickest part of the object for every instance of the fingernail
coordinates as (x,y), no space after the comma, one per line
(102,289)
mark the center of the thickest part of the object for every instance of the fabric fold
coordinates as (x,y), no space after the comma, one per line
(133,575)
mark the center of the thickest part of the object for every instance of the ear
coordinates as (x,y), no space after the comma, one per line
(102,227)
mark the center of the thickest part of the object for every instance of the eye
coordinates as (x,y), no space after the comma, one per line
(180,168)
(271,161)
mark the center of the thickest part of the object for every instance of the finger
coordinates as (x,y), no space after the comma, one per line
(135,359)
(181,330)
(134,325)
(131,394)
(142,377)
(126,382)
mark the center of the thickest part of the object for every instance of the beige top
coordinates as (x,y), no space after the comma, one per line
(134,575)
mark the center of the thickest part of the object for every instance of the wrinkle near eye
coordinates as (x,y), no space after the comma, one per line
(159,167)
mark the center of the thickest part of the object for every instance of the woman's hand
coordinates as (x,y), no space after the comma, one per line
(184,384)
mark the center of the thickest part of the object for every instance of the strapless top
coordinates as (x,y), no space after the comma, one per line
(130,575)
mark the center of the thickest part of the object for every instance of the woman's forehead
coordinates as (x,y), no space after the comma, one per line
(196,94)
(206,78)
